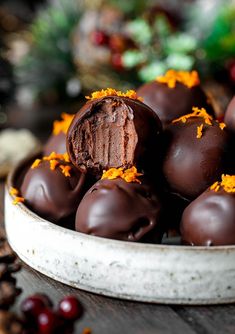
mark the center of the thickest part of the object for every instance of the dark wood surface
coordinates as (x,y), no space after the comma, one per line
(110,316)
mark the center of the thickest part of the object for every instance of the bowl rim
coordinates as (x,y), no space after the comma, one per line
(137,245)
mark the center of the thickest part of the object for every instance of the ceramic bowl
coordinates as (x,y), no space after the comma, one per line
(168,274)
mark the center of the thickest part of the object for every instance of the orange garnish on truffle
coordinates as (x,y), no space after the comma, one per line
(63,125)
(196,113)
(171,77)
(17,199)
(65,170)
(201,113)
(199,131)
(129,175)
(227,183)
(36,163)
(54,160)
(13,191)
(112,173)
(53,164)
(113,92)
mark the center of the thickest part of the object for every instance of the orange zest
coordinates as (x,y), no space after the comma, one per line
(171,77)
(200,113)
(199,131)
(17,199)
(222,125)
(65,170)
(197,112)
(53,164)
(13,191)
(36,163)
(112,173)
(55,160)
(63,125)
(227,183)
(113,92)
(128,175)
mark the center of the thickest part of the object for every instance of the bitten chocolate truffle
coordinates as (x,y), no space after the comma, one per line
(57,140)
(117,209)
(210,219)
(53,187)
(113,129)
(174,94)
(229,118)
(196,153)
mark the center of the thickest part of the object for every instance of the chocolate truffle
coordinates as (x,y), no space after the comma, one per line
(113,131)
(210,219)
(229,118)
(196,152)
(53,188)
(174,95)
(117,209)
(57,140)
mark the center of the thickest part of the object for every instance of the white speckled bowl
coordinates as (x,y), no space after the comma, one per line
(135,271)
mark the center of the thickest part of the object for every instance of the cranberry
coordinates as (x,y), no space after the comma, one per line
(32,306)
(70,308)
(48,321)
(99,37)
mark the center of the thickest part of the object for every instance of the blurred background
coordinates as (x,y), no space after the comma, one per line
(53,52)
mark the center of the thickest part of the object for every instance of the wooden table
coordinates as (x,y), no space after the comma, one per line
(110,316)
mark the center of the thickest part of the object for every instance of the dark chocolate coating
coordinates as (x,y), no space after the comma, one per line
(120,210)
(55,143)
(229,117)
(113,132)
(172,209)
(210,220)
(190,164)
(50,194)
(171,103)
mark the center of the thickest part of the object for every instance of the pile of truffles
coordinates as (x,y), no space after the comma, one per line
(137,165)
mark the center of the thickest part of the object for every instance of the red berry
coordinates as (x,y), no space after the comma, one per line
(70,308)
(32,306)
(116,61)
(47,322)
(99,37)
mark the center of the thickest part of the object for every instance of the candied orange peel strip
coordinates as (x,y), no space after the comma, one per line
(113,92)
(129,175)
(227,183)
(62,125)
(171,77)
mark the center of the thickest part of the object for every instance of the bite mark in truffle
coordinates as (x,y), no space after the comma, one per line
(114,132)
